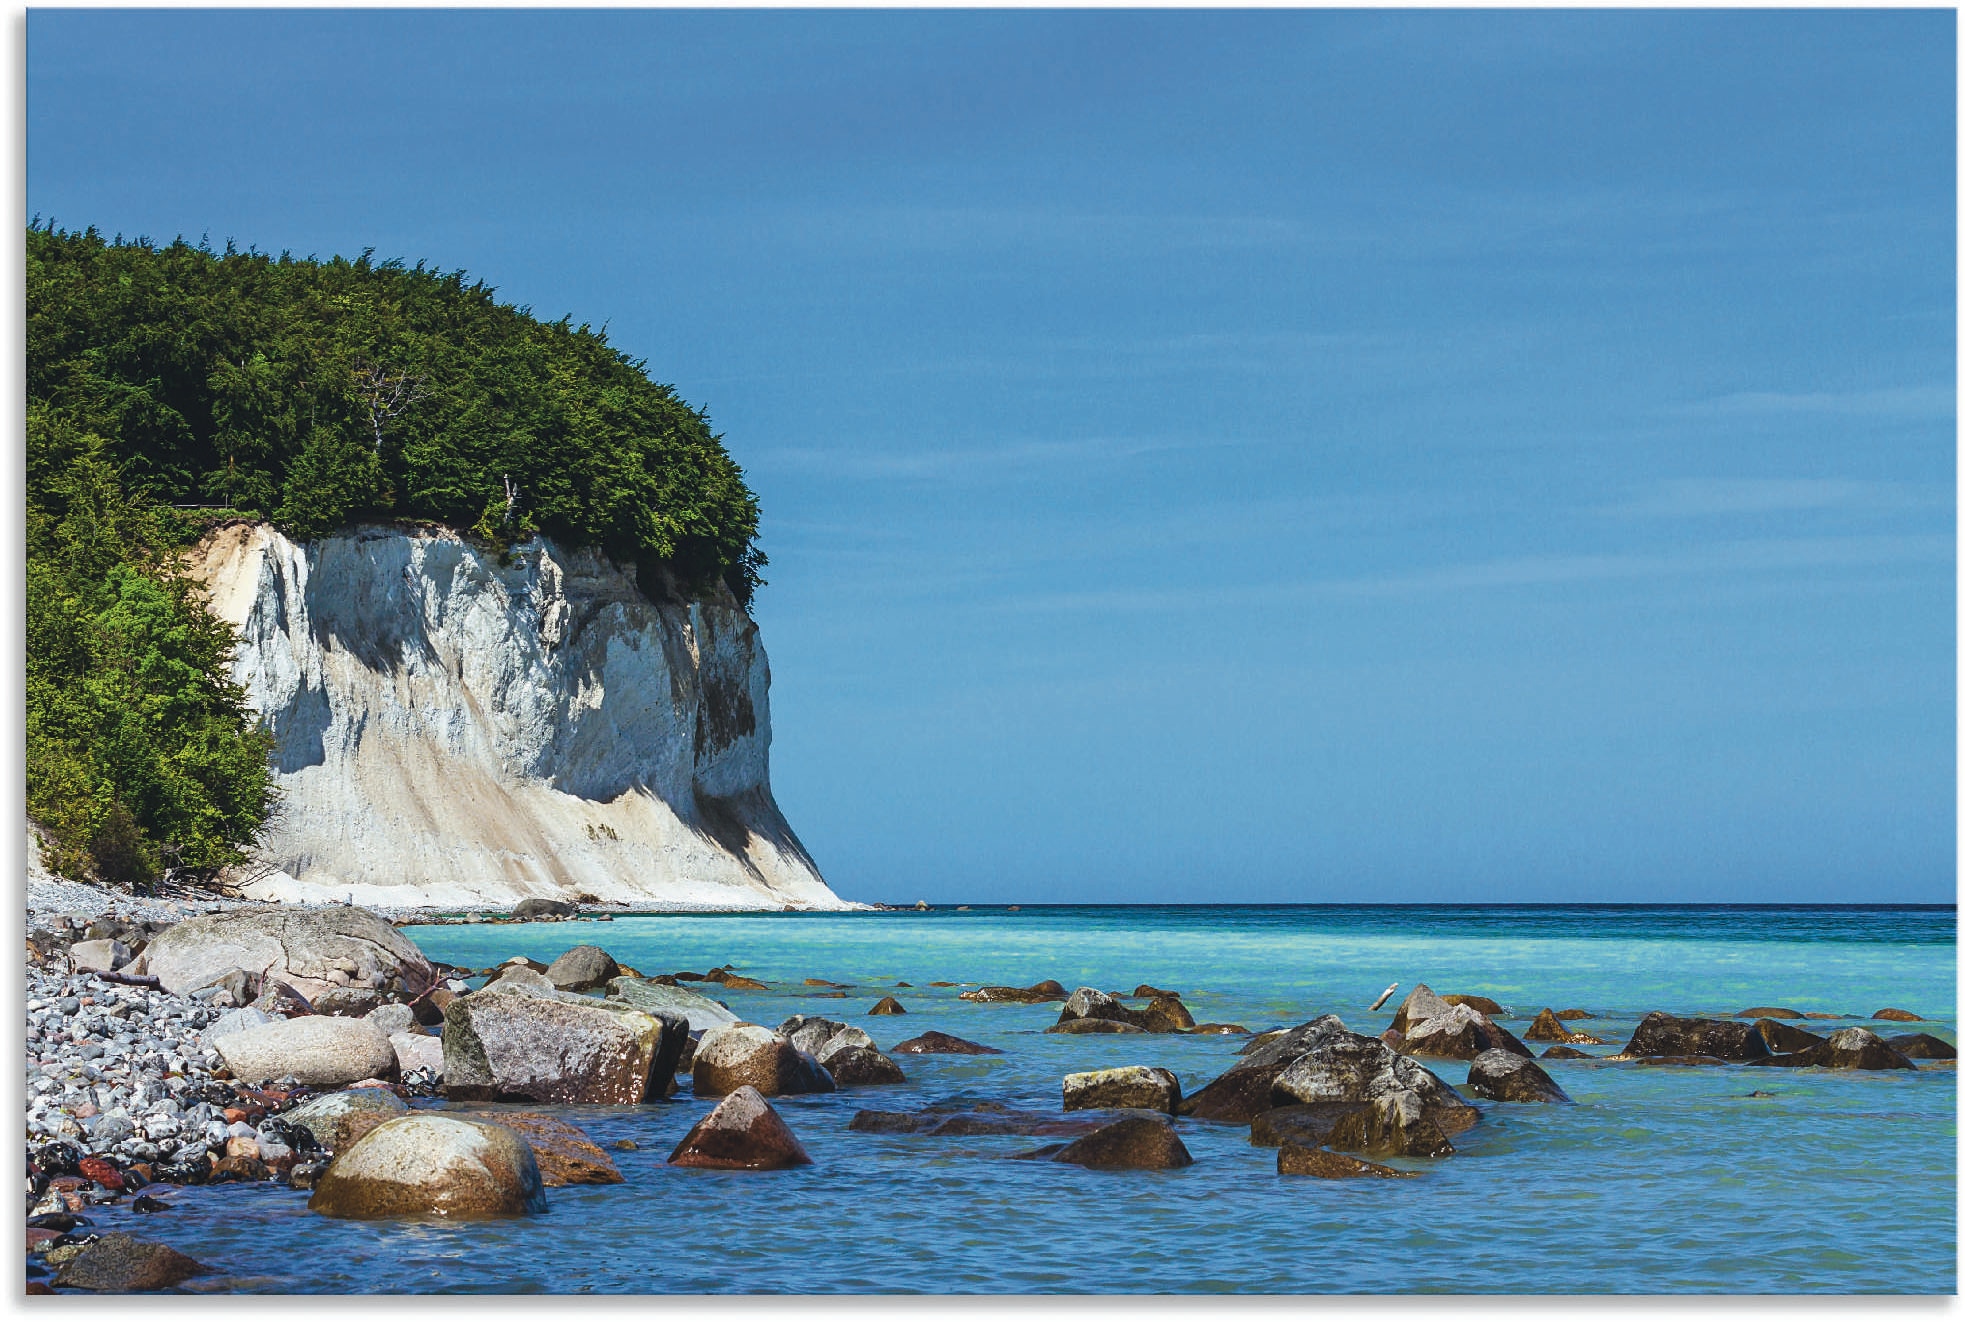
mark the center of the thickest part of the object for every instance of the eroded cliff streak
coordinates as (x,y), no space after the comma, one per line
(453,731)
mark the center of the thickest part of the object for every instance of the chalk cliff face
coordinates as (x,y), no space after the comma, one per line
(452,731)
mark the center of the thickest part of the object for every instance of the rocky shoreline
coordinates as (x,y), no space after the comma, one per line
(185,1042)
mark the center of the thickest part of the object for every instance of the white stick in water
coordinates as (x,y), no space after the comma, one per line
(1383,997)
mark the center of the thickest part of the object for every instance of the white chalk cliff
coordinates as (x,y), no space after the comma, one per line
(455,732)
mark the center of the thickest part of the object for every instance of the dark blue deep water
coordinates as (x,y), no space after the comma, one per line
(1657,1180)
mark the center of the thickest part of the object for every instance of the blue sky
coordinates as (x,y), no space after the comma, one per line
(1213,456)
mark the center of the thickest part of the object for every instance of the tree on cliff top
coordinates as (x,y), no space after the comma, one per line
(314,393)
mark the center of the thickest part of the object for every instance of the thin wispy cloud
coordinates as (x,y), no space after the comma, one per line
(1692,498)
(1932,402)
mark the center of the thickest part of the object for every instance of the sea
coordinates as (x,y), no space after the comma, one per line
(1732,1179)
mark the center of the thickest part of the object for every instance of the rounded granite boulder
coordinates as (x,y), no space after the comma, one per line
(750,1055)
(322,1051)
(429,1164)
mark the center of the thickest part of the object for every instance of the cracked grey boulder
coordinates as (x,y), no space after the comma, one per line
(582,968)
(515,1043)
(1129,1087)
(1502,1076)
(311,949)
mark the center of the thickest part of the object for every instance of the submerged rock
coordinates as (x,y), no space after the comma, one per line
(1141,1087)
(741,1133)
(1298,1159)
(564,1153)
(319,1050)
(1769,1012)
(1661,1034)
(1078,1026)
(1502,1076)
(1037,993)
(942,1044)
(750,1055)
(1849,1049)
(1566,1053)
(969,1118)
(1898,1016)
(1135,1143)
(1166,1014)
(126,1264)
(861,1067)
(431,1164)
(1308,1124)
(1922,1046)
(887,1005)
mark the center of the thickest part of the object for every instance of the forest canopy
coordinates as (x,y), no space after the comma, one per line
(315,393)
(170,385)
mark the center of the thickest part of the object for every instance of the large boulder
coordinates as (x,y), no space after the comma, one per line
(431,1164)
(1091,1003)
(310,949)
(1922,1046)
(1849,1049)
(539,907)
(742,1133)
(1141,1087)
(124,1264)
(942,1044)
(1243,1092)
(337,1120)
(811,1033)
(320,1051)
(1301,1159)
(750,1055)
(582,969)
(653,997)
(564,1153)
(1405,1108)
(98,956)
(1661,1034)
(517,1045)
(1047,990)
(1502,1076)
(1420,1004)
(1462,1033)
(1142,1143)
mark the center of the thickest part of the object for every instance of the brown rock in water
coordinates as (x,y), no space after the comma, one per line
(749,1055)
(1481,1003)
(1785,1038)
(582,968)
(742,1133)
(1078,1026)
(1298,1159)
(1574,1014)
(1035,994)
(1410,1110)
(1147,989)
(1243,1092)
(565,1154)
(735,981)
(958,1119)
(1502,1076)
(941,1044)
(1898,1016)
(944,984)
(1922,1046)
(1686,1060)
(821,982)
(431,1164)
(1566,1053)
(1219,1030)
(1307,1124)
(125,1264)
(1462,1033)
(1548,1028)
(1166,1015)
(1138,1143)
(1661,1034)
(862,1067)
(1769,1012)
(888,1005)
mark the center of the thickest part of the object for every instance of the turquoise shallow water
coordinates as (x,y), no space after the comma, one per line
(1658,1180)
